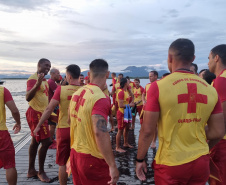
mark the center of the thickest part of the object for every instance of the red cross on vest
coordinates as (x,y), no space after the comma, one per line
(136,94)
(79,99)
(46,91)
(192,98)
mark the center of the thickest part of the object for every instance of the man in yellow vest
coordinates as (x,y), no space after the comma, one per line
(153,76)
(7,150)
(37,97)
(115,90)
(181,105)
(114,81)
(217,65)
(54,77)
(62,97)
(92,159)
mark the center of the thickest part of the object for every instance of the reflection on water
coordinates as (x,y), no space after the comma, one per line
(126,161)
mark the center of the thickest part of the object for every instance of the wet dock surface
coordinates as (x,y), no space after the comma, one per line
(125,163)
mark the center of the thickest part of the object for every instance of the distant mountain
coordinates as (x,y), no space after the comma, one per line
(131,71)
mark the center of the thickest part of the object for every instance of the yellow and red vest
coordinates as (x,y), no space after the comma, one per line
(106,91)
(117,88)
(137,95)
(186,103)
(146,89)
(40,101)
(65,98)
(2,110)
(81,128)
(114,80)
(125,100)
(223,75)
(132,85)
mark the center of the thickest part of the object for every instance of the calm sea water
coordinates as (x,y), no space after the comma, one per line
(18,91)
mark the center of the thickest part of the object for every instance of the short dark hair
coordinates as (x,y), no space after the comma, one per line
(155,73)
(123,81)
(120,74)
(184,49)
(128,77)
(208,76)
(81,74)
(220,50)
(165,74)
(114,74)
(73,70)
(195,66)
(202,70)
(137,79)
(42,60)
(98,68)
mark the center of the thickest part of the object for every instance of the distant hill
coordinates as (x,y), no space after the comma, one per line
(131,71)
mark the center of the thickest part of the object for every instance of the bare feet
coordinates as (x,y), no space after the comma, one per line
(120,150)
(32,173)
(43,177)
(128,146)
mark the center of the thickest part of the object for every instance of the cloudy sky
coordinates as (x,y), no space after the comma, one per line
(124,32)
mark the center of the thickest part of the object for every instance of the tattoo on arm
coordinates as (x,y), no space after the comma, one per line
(101,123)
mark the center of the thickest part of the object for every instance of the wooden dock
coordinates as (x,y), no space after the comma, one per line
(125,162)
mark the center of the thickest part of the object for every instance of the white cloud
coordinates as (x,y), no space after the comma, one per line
(130,32)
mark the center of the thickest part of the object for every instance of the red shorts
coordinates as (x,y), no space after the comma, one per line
(218,154)
(192,173)
(88,170)
(120,120)
(7,150)
(139,109)
(114,97)
(63,145)
(33,118)
(116,106)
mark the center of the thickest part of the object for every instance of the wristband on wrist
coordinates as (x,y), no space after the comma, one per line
(139,160)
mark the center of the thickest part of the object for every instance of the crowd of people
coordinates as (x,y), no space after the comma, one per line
(185,110)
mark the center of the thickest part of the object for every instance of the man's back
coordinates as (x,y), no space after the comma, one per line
(186,103)
(63,94)
(81,108)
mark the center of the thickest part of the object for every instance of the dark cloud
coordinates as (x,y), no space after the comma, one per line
(89,26)
(26,4)
(186,26)
(173,13)
(14,71)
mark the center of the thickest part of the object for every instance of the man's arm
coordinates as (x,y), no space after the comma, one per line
(131,94)
(143,98)
(16,115)
(224,113)
(216,129)
(31,93)
(146,136)
(49,109)
(104,145)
